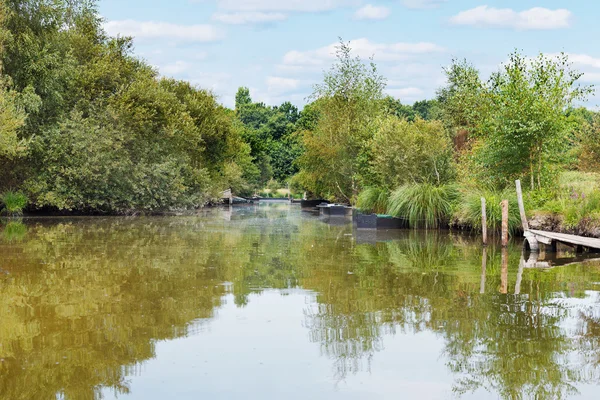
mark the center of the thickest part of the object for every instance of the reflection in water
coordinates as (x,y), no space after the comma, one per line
(13,230)
(83,302)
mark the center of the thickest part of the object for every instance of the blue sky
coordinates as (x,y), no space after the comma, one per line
(280,48)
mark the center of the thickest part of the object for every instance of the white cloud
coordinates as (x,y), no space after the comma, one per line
(410,93)
(372,12)
(276,84)
(534,18)
(248,17)
(363,48)
(423,3)
(584,59)
(175,68)
(163,30)
(283,5)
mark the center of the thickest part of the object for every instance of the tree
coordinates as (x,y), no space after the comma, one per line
(411,152)
(526,129)
(516,121)
(336,159)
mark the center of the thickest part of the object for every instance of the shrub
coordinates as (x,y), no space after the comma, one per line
(373,200)
(418,151)
(469,212)
(424,205)
(576,208)
(14,203)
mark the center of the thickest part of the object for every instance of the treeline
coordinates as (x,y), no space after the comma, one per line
(87,126)
(431,163)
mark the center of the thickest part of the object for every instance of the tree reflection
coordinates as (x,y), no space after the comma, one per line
(83,302)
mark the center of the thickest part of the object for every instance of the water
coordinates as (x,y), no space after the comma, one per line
(266,302)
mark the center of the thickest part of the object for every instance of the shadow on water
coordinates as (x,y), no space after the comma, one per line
(84,301)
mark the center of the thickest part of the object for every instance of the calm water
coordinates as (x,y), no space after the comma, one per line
(266,302)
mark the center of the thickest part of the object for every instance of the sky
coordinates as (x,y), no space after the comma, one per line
(280,48)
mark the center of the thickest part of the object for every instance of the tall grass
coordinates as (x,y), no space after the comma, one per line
(576,208)
(424,205)
(14,203)
(373,199)
(469,211)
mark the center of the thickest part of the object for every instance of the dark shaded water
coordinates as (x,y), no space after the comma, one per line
(266,302)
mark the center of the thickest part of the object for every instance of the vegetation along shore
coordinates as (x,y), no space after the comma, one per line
(88,127)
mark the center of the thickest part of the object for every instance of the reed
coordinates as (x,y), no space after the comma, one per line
(373,200)
(424,205)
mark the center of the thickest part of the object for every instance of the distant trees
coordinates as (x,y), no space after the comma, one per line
(270,133)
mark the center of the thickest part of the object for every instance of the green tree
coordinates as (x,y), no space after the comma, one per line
(411,152)
(336,160)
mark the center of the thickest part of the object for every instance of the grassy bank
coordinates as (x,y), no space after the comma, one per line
(571,206)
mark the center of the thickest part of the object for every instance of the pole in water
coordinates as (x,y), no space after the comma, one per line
(504,205)
(483,221)
(522,207)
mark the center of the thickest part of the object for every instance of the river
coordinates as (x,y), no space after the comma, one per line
(268,302)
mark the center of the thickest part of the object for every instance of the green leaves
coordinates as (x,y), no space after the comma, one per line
(516,119)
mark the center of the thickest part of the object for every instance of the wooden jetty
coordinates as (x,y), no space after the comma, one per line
(551,239)
(533,237)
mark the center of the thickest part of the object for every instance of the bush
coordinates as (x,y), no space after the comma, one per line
(404,152)
(424,205)
(373,200)
(469,211)
(14,203)
(576,208)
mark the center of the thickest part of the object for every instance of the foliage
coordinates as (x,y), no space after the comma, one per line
(373,200)
(589,144)
(517,118)
(14,203)
(411,152)
(468,213)
(87,126)
(423,204)
(335,161)
(577,200)
(12,117)
(270,133)
(463,100)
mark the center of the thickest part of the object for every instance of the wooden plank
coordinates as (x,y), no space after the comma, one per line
(575,240)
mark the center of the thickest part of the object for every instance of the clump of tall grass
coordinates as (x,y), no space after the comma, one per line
(469,211)
(576,208)
(14,203)
(424,205)
(373,200)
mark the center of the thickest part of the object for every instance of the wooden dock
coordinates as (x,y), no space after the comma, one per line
(533,237)
(551,239)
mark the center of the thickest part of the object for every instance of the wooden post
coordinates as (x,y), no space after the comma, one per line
(504,205)
(522,207)
(483,221)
